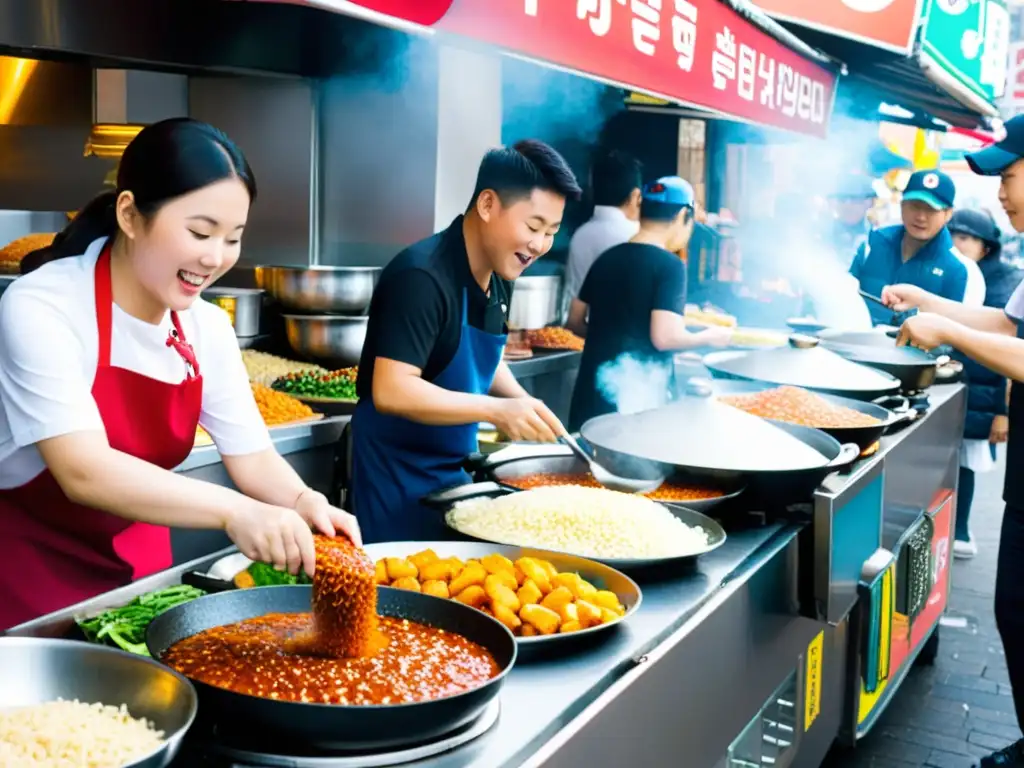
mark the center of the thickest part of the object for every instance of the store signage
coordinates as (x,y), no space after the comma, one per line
(888,24)
(424,12)
(970,39)
(696,52)
(1013,98)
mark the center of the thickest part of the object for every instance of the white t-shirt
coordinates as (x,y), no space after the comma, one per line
(974,292)
(48,354)
(606,228)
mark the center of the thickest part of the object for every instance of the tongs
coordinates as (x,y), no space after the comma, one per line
(604,477)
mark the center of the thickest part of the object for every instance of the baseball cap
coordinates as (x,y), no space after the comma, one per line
(994,159)
(932,187)
(975,223)
(669,190)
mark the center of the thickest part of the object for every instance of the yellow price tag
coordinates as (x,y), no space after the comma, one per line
(812,680)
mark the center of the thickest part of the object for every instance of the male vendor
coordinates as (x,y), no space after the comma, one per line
(635,296)
(994,338)
(919,251)
(431,367)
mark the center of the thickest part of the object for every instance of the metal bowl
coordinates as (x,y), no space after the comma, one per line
(335,341)
(243,305)
(340,290)
(37,671)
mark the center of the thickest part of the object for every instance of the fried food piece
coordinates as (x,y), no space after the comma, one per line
(520,576)
(473,574)
(528,630)
(605,599)
(570,626)
(568,612)
(423,558)
(440,570)
(506,578)
(409,583)
(556,598)
(589,613)
(507,616)
(497,563)
(380,573)
(499,593)
(344,598)
(608,616)
(581,589)
(547,566)
(436,588)
(472,595)
(400,568)
(535,572)
(543,619)
(529,593)
(244,580)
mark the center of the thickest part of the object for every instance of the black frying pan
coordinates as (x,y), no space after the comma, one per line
(332,727)
(864,437)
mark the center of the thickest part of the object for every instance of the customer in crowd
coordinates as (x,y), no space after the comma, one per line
(917,252)
(851,202)
(977,237)
(616,179)
(993,338)
(635,297)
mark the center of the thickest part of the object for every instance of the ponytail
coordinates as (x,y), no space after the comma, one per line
(97,219)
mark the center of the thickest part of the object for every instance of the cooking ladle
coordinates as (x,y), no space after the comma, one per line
(604,477)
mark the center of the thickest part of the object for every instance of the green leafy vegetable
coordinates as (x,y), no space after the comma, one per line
(265,575)
(125,627)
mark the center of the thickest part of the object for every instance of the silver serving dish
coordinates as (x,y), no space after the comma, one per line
(335,341)
(598,574)
(243,305)
(37,671)
(328,290)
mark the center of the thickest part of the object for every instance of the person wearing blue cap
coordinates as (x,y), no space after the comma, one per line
(630,309)
(994,338)
(919,251)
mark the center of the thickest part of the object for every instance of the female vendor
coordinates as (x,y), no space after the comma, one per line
(109,361)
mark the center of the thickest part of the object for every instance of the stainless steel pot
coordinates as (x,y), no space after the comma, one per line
(243,305)
(37,671)
(536,302)
(336,341)
(319,290)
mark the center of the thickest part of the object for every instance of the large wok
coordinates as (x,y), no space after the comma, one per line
(335,727)
(864,437)
(916,369)
(522,460)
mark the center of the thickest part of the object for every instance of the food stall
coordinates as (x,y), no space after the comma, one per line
(792,625)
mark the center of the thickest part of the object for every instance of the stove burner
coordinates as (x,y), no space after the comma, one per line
(277,755)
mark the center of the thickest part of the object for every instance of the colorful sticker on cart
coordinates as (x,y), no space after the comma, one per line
(812,693)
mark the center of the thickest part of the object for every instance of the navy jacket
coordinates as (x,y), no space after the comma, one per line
(986,390)
(935,268)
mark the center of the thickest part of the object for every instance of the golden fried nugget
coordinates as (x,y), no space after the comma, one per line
(570,581)
(568,612)
(544,619)
(400,568)
(473,595)
(496,563)
(439,570)
(535,573)
(589,613)
(500,593)
(409,583)
(507,617)
(606,599)
(570,626)
(380,573)
(472,574)
(436,588)
(556,598)
(548,567)
(529,593)
(506,578)
(608,615)
(425,557)
(520,576)
(528,630)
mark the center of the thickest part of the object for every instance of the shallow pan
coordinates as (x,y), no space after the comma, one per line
(600,575)
(445,500)
(332,726)
(37,671)
(559,459)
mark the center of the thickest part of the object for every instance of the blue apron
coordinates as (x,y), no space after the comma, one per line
(396,462)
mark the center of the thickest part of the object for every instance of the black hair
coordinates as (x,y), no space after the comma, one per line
(514,172)
(164,161)
(614,176)
(663,213)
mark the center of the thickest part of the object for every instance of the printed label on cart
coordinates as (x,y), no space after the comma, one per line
(812,693)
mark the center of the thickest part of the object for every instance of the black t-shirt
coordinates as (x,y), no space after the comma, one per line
(416,311)
(622,288)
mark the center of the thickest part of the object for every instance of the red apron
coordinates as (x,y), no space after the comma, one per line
(56,553)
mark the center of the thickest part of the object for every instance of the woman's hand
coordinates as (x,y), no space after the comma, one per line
(320,515)
(275,535)
(926,331)
(1000,431)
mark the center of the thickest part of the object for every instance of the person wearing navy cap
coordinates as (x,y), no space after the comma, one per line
(917,252)
(630,309)
(994,338)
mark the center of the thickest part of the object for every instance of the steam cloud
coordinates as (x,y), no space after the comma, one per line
(634,385)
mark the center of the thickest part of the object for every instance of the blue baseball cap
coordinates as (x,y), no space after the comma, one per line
(670,190)
(994,159)
(932,187)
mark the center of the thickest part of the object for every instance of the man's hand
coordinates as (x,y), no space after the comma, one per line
(526,419)
(926,331)
(1000,431)
(904,297)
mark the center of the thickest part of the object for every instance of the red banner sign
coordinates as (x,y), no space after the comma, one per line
(698,52)
(883,23)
